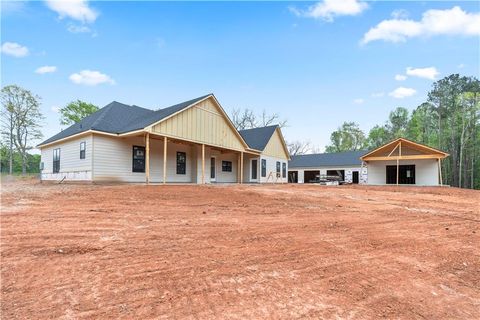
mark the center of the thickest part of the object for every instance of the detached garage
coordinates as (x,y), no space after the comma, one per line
(404,162)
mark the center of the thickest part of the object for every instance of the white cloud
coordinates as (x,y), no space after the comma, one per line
(358,101)
(378,94)
(46,69)
(74,9)
(400,77)
(14,49)
(329,9)
(427,73)
(402,92)
(55,109)
(453,21)
(461,66)
(90,78)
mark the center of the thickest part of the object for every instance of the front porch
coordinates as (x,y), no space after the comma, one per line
(161,159)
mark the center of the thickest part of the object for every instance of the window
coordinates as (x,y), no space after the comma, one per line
(264,168)
(56,160)
(227,166)
(181,162)
(284,170)
(82,150)
(138,164)
(278,168)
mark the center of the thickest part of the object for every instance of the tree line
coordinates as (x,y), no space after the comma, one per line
(21,121)
(448,120)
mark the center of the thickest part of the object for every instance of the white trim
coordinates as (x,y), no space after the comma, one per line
(76,136)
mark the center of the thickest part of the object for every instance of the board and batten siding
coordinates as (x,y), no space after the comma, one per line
(71,166)
(275,147)
(113,160)
(202,123)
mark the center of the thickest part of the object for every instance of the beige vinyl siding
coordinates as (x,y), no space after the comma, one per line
(113,160)
(275,147)
(71,166)
(202,123)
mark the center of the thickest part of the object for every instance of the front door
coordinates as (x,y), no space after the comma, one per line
(254,170)
(355,177)
(213,170)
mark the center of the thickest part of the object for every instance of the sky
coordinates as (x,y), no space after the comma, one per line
(316,64)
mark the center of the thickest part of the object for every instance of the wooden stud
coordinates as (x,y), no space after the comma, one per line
(241,167)
(164,160)
(406,157)
(203,163)
(398,167)
(393,150)
(147,158)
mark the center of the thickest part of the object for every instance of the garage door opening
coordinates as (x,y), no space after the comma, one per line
(339,174)
(311,176)
(293,176)
(406,174)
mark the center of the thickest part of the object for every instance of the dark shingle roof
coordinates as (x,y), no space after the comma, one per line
(117,118)
(257,138)
(348,158)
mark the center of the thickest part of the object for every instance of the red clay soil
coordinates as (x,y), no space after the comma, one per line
(231,252)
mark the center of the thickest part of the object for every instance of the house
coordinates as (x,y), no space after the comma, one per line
(191,142)
(402,161)
(347,166)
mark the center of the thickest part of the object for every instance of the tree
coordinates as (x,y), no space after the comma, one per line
(398,123)
(76,111)
(377,136)
(247,119)
(299,147)
(348,137)
(8,121)
(24,108)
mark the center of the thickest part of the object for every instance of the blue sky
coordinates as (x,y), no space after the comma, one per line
(316,64)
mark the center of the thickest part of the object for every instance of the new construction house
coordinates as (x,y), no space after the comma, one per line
(315,168)
(398,162)
(191,142)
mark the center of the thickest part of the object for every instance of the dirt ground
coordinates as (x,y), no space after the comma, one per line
(239,252)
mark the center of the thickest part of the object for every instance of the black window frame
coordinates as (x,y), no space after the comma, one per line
(56,160)
(278,168)
(138,164)
(181,165)
(264,168)
(83,152)
(226,166)
(284,169)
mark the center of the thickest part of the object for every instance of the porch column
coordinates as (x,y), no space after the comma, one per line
(440,171)
(147,158)
(397,169)
(241,167)
(164,160)
(203,163)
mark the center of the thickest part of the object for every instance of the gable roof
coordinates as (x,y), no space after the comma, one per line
(119,118)
(257,138)
(348,158)
(407,142)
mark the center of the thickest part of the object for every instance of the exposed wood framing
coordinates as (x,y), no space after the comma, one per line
(407,157)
